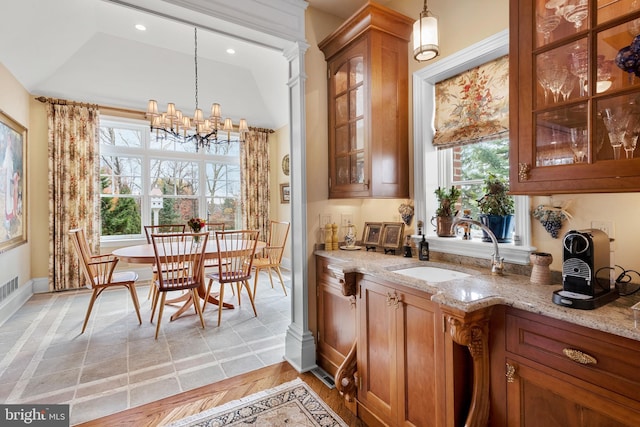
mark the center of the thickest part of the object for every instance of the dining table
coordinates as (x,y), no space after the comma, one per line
(144,254)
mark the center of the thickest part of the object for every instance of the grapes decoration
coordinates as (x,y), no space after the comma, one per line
(628,58)
(550,218)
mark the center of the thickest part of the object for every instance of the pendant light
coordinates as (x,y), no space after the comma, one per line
(425,36)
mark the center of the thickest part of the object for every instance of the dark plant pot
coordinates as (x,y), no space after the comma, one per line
(502,227)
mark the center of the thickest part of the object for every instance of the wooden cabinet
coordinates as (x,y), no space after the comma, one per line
(574,105)
(368,101)
(336,319)
(566,375)
(400,357)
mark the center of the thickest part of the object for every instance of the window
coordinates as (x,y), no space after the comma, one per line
(433,168)
(138,167)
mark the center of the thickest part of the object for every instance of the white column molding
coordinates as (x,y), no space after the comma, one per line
(300,350)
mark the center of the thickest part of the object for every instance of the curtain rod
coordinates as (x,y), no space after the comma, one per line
(59,101)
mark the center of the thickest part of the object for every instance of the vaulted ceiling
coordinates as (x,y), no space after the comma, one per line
(90,51)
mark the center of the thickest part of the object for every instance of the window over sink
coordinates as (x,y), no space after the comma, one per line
(433,168)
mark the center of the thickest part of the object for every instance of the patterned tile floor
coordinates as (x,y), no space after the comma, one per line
(117,364)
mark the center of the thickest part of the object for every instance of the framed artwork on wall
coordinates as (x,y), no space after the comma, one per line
(13,188)
(285,193)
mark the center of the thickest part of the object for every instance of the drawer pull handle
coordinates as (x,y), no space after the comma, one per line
(579,357)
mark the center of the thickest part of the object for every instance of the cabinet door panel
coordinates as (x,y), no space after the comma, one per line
(336,326)
(376,350)
(420,353)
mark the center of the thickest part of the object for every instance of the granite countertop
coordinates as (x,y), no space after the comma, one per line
(482,289)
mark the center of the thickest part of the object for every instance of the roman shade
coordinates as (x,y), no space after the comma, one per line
(473,106)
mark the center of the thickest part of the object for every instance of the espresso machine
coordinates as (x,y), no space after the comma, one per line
(586,270)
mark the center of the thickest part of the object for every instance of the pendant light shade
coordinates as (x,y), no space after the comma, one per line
(425,36)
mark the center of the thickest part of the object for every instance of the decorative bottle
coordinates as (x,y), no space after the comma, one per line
(423,250)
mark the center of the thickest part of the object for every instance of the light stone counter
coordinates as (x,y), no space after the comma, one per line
(482,289)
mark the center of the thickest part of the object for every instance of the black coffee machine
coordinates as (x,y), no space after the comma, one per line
(586,271)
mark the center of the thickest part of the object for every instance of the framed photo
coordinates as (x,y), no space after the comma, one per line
(392,234)
(13,194)
(285,193)
(372,233)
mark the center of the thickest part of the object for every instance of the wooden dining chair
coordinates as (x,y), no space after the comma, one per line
(212,228)
(156,229)
(236,250)
(271,256)
(187,251)
(100,275)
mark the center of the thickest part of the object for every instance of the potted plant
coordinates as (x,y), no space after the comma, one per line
(497,209)
(447,199)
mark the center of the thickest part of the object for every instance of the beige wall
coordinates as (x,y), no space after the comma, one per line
(14,102)
(278,148)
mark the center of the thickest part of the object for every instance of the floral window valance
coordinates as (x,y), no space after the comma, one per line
(473,106)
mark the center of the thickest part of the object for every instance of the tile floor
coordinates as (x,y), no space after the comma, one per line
(117,364)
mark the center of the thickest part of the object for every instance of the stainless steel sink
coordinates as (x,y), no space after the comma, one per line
(432,274)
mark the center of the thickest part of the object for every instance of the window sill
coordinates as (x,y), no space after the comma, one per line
(120,242)
(477,248)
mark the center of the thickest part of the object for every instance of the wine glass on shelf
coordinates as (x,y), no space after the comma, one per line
(567,87)
(616,120)
(544,82)
(580,68)
(631,136)
(545,24)
(579,142)
(555,76)
(576,12)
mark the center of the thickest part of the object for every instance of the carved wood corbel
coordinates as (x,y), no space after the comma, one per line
(346,381)
(472,330)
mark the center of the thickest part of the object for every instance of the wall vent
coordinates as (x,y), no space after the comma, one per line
(8,288)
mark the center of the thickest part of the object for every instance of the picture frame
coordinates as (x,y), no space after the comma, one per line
(285,193)
(372,233)
(392,233)
(13,184)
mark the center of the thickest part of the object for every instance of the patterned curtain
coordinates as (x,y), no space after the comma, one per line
(73,187)
(473,106)
(254,181)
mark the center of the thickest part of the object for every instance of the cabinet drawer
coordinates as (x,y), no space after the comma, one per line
(605,360)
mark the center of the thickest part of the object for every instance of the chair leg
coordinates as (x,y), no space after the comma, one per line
(255,281)
(136,303)
(246,285)
(239,289)
(206,295)
(270,278)
(164,295)
(154,304)
(196,303)
(277,268)
(94,295)
(221,302)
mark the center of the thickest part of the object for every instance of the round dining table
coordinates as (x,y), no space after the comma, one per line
(144,254)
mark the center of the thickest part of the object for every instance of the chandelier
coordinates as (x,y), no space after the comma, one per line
(202,131)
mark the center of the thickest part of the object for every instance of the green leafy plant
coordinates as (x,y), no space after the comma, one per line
(447,200)
(496,201)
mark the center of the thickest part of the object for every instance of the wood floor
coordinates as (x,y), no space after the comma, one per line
(192,402)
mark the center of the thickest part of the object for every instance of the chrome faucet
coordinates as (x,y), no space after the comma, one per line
(497,263)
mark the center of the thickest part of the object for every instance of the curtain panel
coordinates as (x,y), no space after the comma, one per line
(74,194)
(473,106)
(254,182)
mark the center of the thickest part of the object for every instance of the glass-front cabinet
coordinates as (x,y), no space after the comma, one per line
(574,96)
(367,61)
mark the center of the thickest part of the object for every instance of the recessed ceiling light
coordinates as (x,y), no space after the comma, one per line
(231,51)
(141,27)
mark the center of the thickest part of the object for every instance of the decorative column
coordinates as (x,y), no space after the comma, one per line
(300,347)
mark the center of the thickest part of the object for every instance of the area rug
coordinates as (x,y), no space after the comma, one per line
(293,403)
